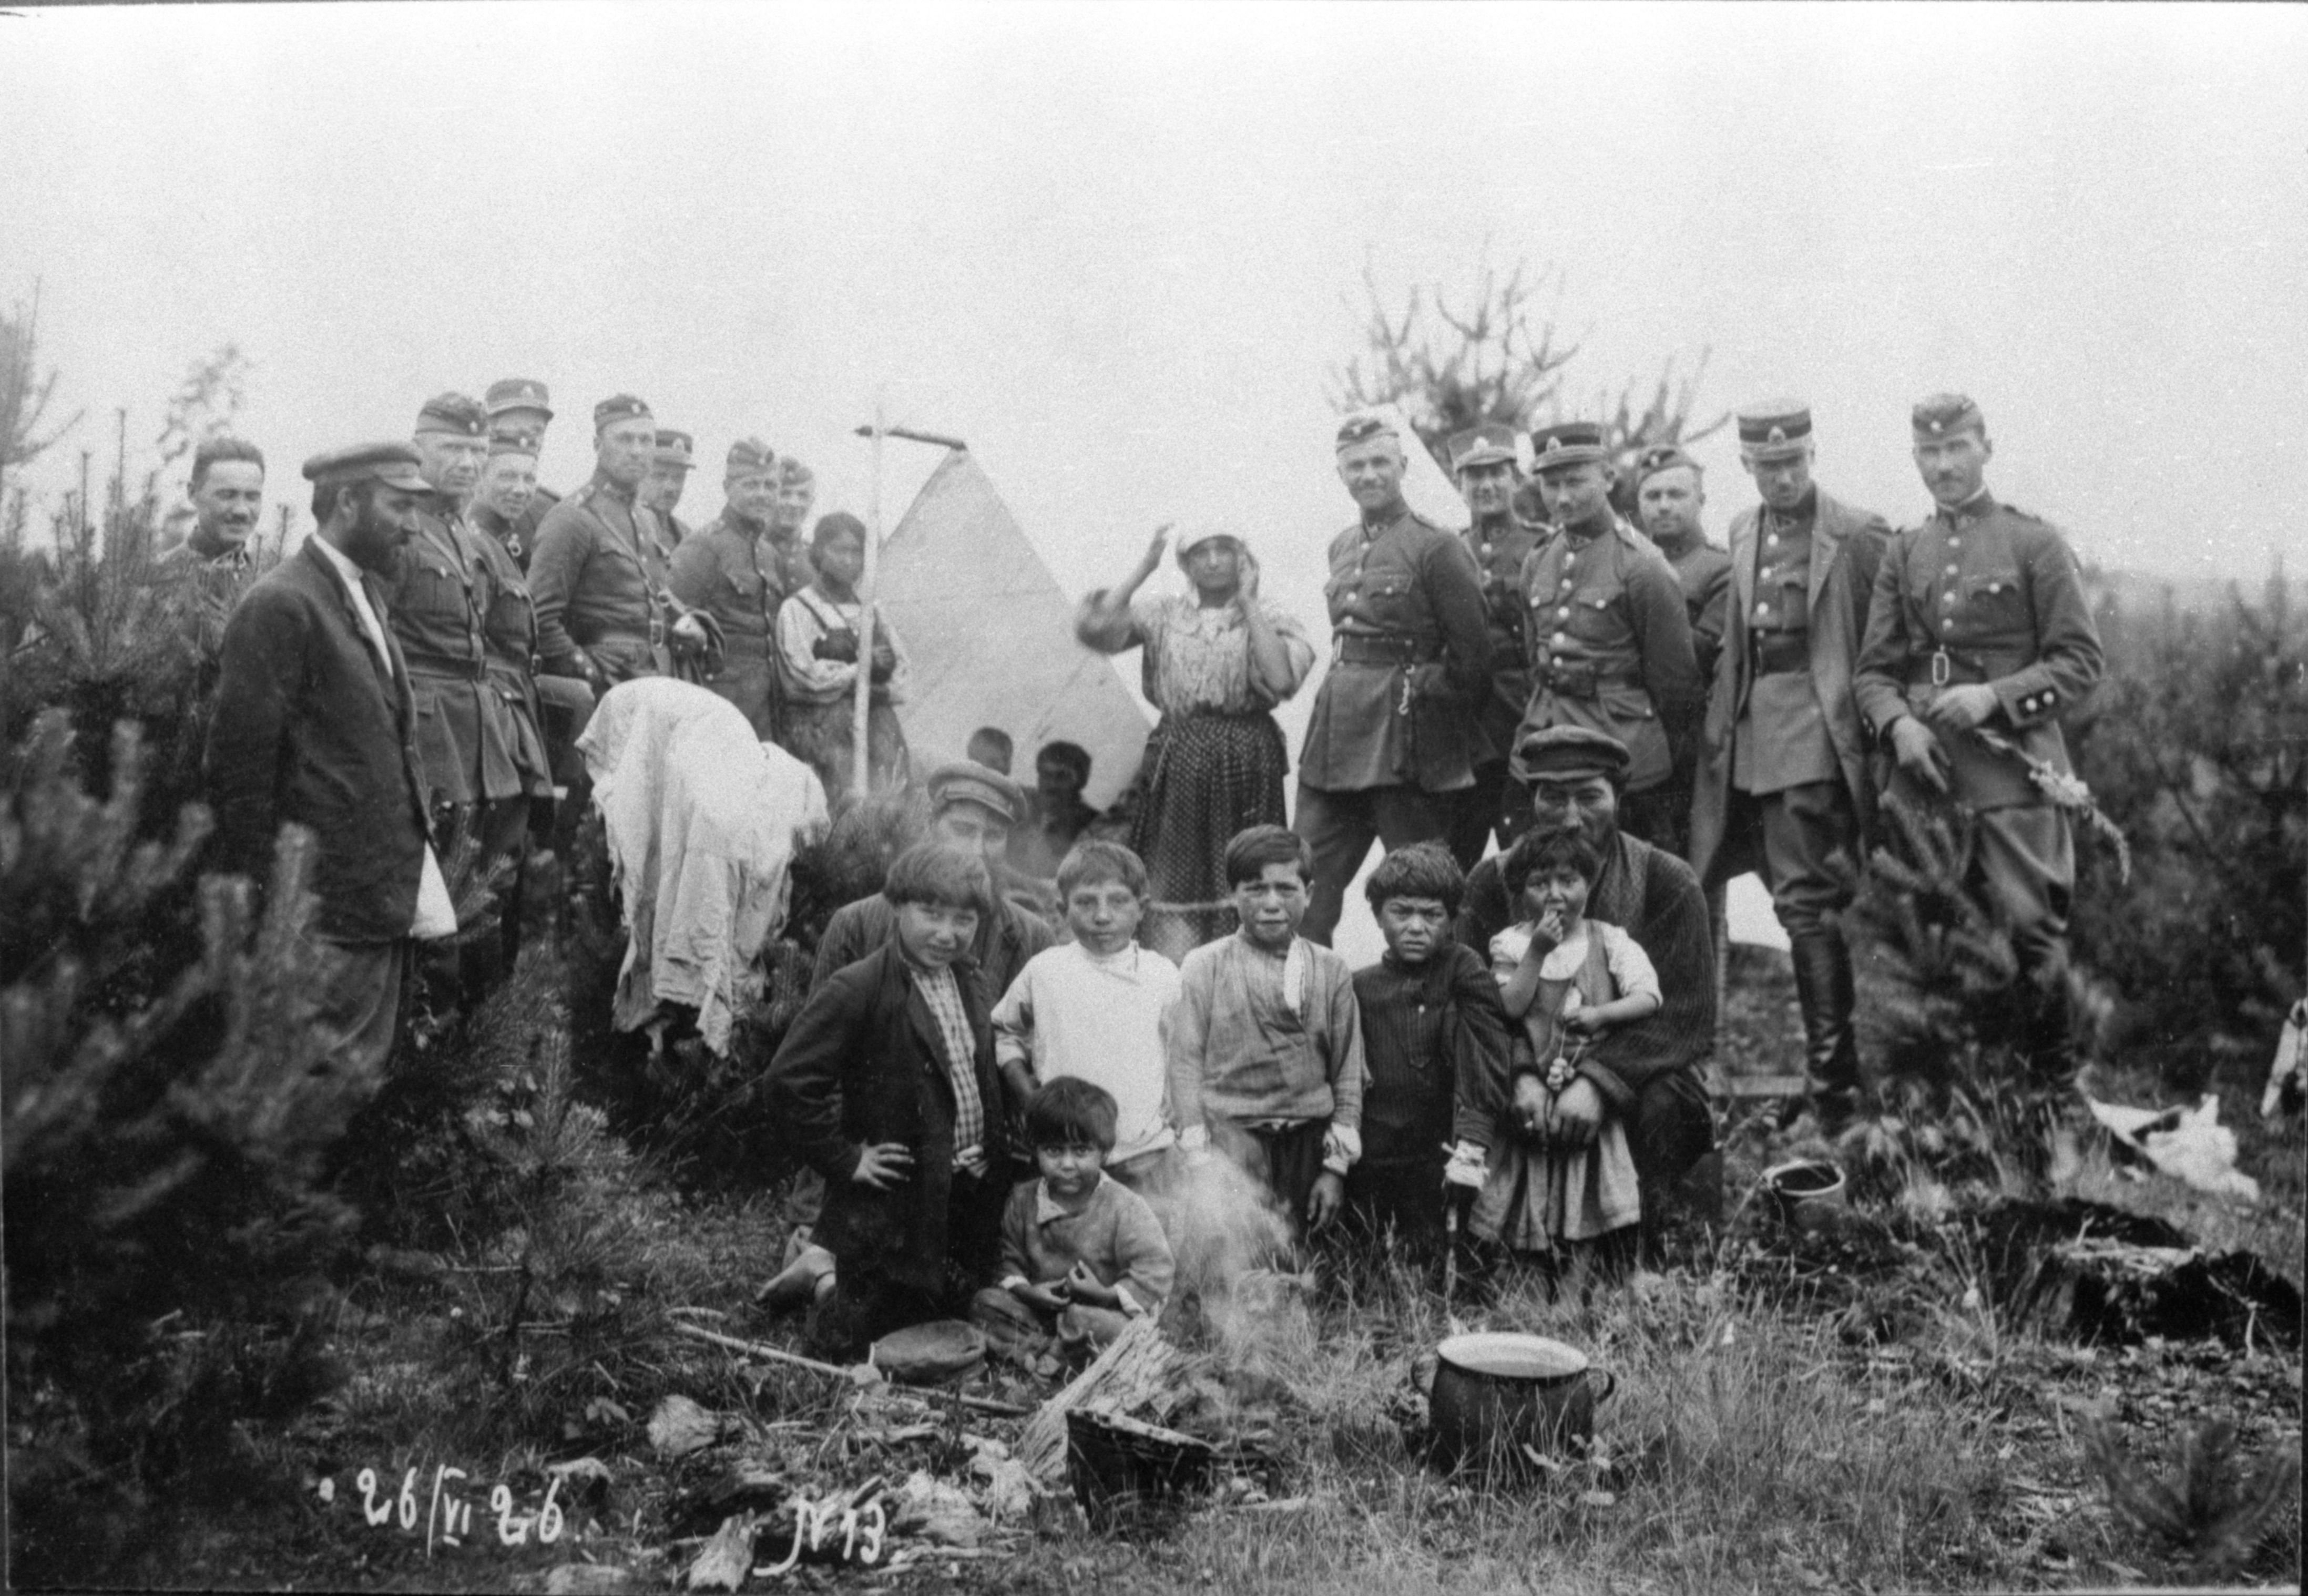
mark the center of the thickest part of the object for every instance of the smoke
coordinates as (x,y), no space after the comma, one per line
(1236,1291)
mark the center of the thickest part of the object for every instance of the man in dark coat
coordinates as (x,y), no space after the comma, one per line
(1783,786)
(887,1088)
(1391,745)
(316,725)
(1646,1074)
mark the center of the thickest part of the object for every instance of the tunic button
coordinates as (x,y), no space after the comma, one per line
(1951,568)
(1948,625)
(1772,541)
(1947,598)
(1955,540)
(1562,612)
(1561,638)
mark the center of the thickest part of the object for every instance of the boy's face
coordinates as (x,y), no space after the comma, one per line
(1071,1170)
(1054,783)
(1559,890)
(1414,927)
(1103,915)
(1271,906)
(935,934)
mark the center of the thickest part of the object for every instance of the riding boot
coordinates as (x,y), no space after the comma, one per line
(1825,992)
(2049,1039)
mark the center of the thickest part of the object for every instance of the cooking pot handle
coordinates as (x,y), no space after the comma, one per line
(1610,1383)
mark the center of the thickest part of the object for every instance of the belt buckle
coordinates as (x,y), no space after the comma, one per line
(1939,667)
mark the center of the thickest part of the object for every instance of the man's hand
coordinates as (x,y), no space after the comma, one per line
(689,634)
(1919,753)
(1083,1286)
(1961,708)
(1050,1297)
(1531,1106)
(1578,1114)
(1431,680)
(884,1166)
(1329,1195)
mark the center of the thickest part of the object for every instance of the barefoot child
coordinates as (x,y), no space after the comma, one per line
(1082,1254)
(1564,979)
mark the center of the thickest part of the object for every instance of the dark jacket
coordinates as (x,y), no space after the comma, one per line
(1005,940)
(1435,1043)
(311,728)
(862,1064)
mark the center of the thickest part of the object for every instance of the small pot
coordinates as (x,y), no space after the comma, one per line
(1803,1183)
(1498,1392)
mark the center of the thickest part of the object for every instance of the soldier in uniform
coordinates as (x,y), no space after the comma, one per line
(604,613)
(1670,498)
(796,492)
(1606,632)
(508,485)
(1979,623)
(730,570)
(520,404)
(677,452)
(1483,460)
(1783,785)
(1390,747)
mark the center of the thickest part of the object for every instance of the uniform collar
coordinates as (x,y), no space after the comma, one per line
(731,516)
(1975,508)
(1594,527)
(1806,509)
(1677,548)
(1373,524)
(602,486)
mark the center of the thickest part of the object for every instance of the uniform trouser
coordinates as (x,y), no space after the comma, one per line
(465,972)
(2025,858)
(1496,804)
(1339,827)
(360,1008)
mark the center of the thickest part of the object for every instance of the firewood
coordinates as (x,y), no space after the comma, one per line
(1134,1369)
(727,1558)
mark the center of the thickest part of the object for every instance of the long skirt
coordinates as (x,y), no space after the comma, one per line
(823,735)
(1207,776)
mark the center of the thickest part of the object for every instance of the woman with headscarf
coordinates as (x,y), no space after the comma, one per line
(817,661)
(1217,661)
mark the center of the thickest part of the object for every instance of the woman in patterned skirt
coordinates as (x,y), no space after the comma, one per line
(817,662)
(1217,661)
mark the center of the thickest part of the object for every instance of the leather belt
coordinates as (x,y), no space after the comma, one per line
(1779,653)
(443,665)
(1362,647)
(646,639)
(1942,669)
(1579,678)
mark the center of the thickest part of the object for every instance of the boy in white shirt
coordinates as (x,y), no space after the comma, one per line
(1099,1008)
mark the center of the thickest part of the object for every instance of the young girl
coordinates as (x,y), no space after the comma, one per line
(1564,979)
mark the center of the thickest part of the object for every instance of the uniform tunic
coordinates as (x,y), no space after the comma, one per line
(596,574)
(1705,571)
(509,636)
(1500,545)
(439,606)
(730,571)
(1411,661)
(1610,644)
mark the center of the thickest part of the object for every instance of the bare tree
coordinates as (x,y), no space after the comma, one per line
(24,392)
(214,388)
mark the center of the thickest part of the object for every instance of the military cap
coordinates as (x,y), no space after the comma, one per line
(1491,444)
(619,407)
(517,393)
(1944,415)
(1567,442)
(1775,430)
(966,781)
(392,464)
(1661,457)
(750,457)
(454,412)
(1364,425)
(791,471)
(675,448)
(1573,750)
(512,440)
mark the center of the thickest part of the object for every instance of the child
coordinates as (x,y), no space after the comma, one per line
(886,1083)
(1082,1254)
(1266,1049)
(1435,1039)
(1563,977)
(1097,1008)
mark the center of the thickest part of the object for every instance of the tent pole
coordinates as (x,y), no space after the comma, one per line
(861,741)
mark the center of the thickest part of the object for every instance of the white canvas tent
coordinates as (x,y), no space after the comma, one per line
(991,636)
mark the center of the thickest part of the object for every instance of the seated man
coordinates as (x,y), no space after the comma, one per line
(1645,1074)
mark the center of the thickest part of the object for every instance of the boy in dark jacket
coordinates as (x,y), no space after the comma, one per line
(1435,1039)
(886,1085)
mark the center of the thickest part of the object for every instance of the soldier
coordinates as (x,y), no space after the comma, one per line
(1390,745)
(207,571)
(1670,496)
(730,571)
(1783,787)
(314,724)
(520,404)
(603,612)
(668,475)
(1979,624)
(1606,632)
(1483,460)
(796,492)
(508,486)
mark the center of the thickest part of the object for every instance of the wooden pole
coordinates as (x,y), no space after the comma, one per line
(861,718)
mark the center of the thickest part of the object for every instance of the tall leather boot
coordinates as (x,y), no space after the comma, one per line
(2050,1041)
(1826,994)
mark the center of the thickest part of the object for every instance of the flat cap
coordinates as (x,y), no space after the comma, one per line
(517,393)
(1775,429)
(966,781)
(1944,415)
(1491,444)
(512,440)
(1364,425)
(454,412)
(392,464)
(1573,751)
(675,448)
(791,471)
(1567,442)
(1661,457)
(619,407)
(751,457)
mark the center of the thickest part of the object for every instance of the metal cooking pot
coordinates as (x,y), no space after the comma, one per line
(1804,1186)
(1498,1392)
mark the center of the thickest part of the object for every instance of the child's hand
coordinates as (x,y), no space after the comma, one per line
(885,1167)
(1083,1286)
(1585,1021)
(1049,1297)
(1530,1112)
(1329,1195)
